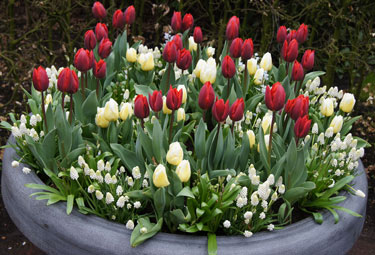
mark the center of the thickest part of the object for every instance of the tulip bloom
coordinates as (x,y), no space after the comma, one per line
(141,109)
(302,126)
(275,97)
(184,92)
(258,76)
(266,62)
(176,21)
(208,71)
(131,55)
(174,98)
(111,112)
(105,48)
(187,22)
(170,52)
(252,66)
(129,15)
(297,107)
(146,61)
(40,79)
(198,36)
(233,26)
(291,35)
(178,42)
(101,31)
(326,107)
(251,136)
(83,60)
(228,68)
(290,50)
(336,123)
(181,115)
(67,81)
(100,121)
(99,11)
(156,101)
(297,72)
(126,111)
(159,177)
(347,102)
(100,69)
(247,49)
(236,110)
(236,47)
(302,33)
(183,171)
(206,96)
(175,154)
(118,20)
(90,40)
(308,59)
(220,110)
(281,34)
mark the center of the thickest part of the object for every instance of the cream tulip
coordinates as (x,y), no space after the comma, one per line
(126,111)
(175,154)
(266,122)
(146,61)
(252,66)
(200,65)
(192,44)
(111,110)
(251,136)
(266,141)
(183,171)
(99,118)
(184,92)
(210,51)
(258,77)
(131,55)
(160,178)
(166,110)
(326,107)
(181,114)
(347,102)
(266,62)
(208,73)
(336,123)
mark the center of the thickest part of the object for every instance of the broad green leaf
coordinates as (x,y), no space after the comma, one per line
(69,204)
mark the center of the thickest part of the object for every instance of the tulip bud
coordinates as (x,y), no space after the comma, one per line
(111,110)
(100,120)
(292,35)
(67,81)
(198,36)
(146,60)
(208,73)
(302,33)
(129,15)
(199,67)
(131,55)
(90,40)
(141,109)
(156,101)
(247,49)
(252,66)
(326,107)
(100,69)
(174,98)
(83,60)
(266,141)
(166,110)
(101,31)
(336,123)
(40,79)
(275,97)
(258,77)
(210,51)
(220,110)
(266,122)
(170,52)
(297,107)
(126,111)
(118,20)
(159,177)
(233,26)
(236,47)
(105,47)
(266,62)
(228,68)
(302,126)
(178,42)
(206,96)
(192,45)
(176,21)
(184,59)
(347,102)
(187,22)
(297,71)
(175,154)
(181,114)
(99,11)
(237,109)
(251,136)
(308,59)
(184,93)
(290,50)
(183,171)
(281,34)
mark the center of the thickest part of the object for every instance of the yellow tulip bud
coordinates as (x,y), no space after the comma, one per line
(180,114)
(175,154)
(183,171)
(252,66)
(266,141)
(251,136)
(159,177)
(126,111)
(347,102)
(184,93)
(192,44)
(200,65)
(146,60)
(111,110)
(266,122)
(166,110)
(266,62)
(48,99)
(210,51)
(131,55)
(258,77)
(99,118)
(326,108)
(336,123)
(208,73)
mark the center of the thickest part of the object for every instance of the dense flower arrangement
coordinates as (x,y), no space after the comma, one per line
(172,139)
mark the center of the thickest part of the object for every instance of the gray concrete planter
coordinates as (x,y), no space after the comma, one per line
(49,228)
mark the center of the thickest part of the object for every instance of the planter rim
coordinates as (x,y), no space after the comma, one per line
(55,232)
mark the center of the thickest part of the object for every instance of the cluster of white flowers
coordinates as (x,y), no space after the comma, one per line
(53,74)
(22,129)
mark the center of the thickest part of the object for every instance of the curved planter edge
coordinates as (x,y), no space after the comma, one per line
(55,232)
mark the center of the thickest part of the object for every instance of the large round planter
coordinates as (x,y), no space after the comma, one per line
(49,228)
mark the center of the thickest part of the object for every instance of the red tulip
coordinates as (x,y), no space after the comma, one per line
(275,97)
(174,98)
(236,48)
(228,68)
(302,126)
(297,107)
(156,101)
(184,59)
(100,69)
(67,81)
(40,79)
(101,31)
(247,49)
(297,72)
(129,15)
(118,20)
(83,60)
(302,33)
(99,11)
(281,34)
(206,96)
(290,50)
(105,48)
(233,26)
(178,42)
(176,21)
(220,110)
(308,59)
(198,36)
(170,52)
(237,109)
(187,22)
(90,40)
(141,109)
(292,35)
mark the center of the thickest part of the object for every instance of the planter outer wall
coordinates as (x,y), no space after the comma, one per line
(55,232)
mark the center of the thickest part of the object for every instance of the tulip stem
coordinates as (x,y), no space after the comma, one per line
(198,51)
(245,80)
(85,74)
(142,123)
(82,86)
(228,89)
(62,100)
(271,133)
(232,127)
(297,140)
(171,126)
(97,88)
(71,109)
(204,115)
(168,74)
(299,87)
(44,112)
